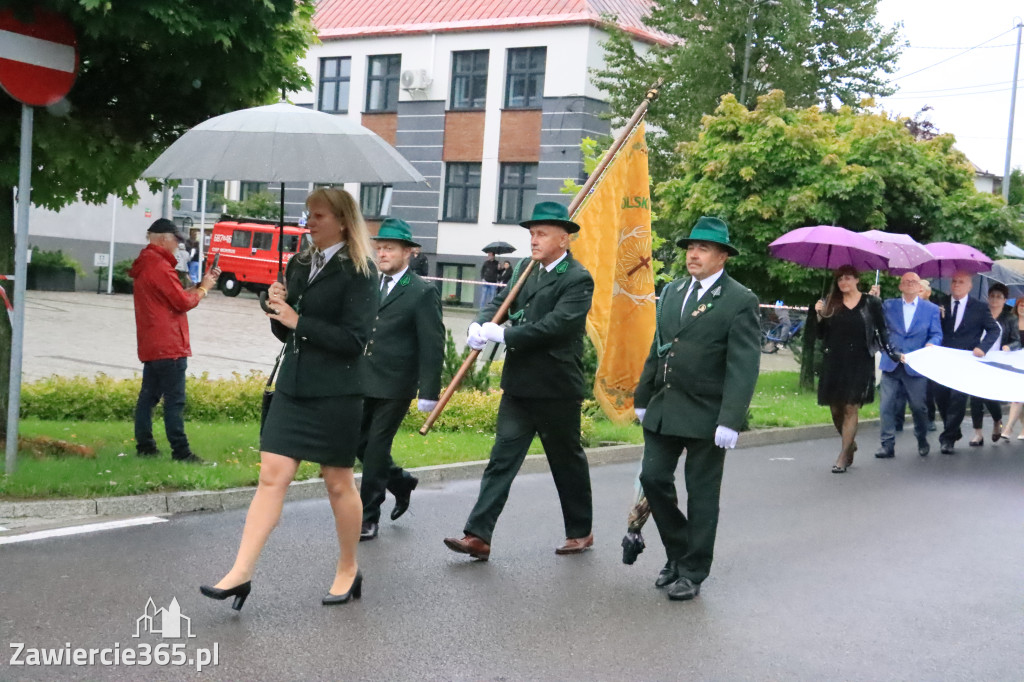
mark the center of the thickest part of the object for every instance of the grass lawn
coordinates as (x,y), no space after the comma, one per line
(230,449)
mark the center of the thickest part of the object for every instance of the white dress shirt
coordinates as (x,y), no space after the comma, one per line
(705,284)
(394,279)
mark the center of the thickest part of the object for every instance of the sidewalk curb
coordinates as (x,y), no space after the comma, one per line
(235,498)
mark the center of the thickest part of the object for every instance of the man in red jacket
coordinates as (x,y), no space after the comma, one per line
(161,325)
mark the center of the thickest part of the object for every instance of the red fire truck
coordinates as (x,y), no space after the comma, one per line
(248,252)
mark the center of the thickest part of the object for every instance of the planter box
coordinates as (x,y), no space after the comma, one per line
(50,279)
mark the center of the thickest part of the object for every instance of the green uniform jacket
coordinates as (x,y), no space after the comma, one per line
(323,354)
(406,347)
(701,371)
(544,345)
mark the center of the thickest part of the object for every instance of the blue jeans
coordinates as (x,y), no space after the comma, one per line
(488,291)
(898,386)
(162,379)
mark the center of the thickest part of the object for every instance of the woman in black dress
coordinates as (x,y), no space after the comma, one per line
(1010,340)
(505,274)
(324,316)
(852,328)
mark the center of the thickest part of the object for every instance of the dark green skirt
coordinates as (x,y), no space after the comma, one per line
(322,430)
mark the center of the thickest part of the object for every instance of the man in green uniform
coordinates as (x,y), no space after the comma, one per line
(542,383)
(693,395)
(405,353)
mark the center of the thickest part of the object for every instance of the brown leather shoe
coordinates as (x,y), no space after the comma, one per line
(471,545)
(576,545)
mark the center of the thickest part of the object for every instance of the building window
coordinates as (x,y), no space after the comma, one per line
(517,191)
(249,188)
(462,192)
(382,82)
(524,86)
(374,200)
(214,195)
(335,75)
(469,79)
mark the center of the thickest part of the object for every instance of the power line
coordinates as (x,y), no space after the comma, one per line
(962,87)
(958,54)
(977,47)
(954,94)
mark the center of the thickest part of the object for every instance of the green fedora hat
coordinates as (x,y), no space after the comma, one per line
(396,230)
(712,230)
(551,213)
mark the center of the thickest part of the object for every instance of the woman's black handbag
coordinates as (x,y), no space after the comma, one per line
(268,392)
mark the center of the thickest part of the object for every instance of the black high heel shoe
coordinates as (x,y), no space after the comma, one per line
(239,592)
(356,591)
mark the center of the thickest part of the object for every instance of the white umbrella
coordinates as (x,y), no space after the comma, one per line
(283,143)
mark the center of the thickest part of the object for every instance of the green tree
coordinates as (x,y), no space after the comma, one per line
(256,205)
(818,51)
(149,70)
(777,168)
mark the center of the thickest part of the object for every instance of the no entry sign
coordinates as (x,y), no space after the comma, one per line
(38,60)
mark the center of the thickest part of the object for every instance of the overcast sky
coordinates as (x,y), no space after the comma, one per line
(970,93)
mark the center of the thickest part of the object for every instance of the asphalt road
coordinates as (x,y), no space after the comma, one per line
(906,569)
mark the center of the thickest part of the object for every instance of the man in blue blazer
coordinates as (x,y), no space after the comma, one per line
(913,323)
(966,325)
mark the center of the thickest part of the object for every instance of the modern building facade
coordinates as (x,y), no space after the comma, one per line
(488,100)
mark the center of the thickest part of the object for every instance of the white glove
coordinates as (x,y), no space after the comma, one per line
(725,437)
(493,332)
(640,412)
(426,405)
(475,338)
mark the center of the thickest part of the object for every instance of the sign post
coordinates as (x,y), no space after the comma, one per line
(38,65)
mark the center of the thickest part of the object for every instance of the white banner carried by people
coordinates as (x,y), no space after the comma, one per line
(999,375)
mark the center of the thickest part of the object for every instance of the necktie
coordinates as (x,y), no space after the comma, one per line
(691,300)
(318,264)
(956,309)
(385,285)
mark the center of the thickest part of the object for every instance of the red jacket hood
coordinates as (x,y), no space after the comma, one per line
(161,304)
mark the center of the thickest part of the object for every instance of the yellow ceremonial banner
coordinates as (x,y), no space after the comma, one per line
(614,244)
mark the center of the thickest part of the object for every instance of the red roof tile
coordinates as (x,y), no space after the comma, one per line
(356,18)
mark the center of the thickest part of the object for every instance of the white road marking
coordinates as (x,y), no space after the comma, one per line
(2,528)
(37,51)
(77,530)
(781,459)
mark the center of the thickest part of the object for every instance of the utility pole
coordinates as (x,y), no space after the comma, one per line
(1013,105)
(750,40)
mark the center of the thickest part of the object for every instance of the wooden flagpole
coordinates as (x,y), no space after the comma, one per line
(499,316)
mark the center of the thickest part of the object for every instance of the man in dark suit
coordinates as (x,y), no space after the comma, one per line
(913,323)
(967,324)
(418,262)
(405,353)
(693,395)
(542,384)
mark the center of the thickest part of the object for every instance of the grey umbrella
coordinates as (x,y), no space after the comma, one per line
(283,143)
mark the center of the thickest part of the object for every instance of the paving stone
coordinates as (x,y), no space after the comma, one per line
(54,509)
(236,498)
(201,500)
(131,505)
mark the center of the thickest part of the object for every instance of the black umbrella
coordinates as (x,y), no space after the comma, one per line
(498,248)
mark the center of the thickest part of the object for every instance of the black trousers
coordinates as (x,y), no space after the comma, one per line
(689,538)
(162,379)
(952,406)
(978,405)
(557,422)
(381,419)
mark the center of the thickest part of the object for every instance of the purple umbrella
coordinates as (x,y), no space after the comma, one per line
(948,259)
(828,246)
(902,250)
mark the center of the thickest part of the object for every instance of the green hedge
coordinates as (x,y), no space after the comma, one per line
(103,398)
(238,398)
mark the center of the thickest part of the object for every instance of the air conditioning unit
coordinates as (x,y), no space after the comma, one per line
(415,79)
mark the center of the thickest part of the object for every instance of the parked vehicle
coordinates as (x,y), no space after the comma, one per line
(248,252)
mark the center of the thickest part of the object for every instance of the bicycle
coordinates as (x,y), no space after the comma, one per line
(779,334)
